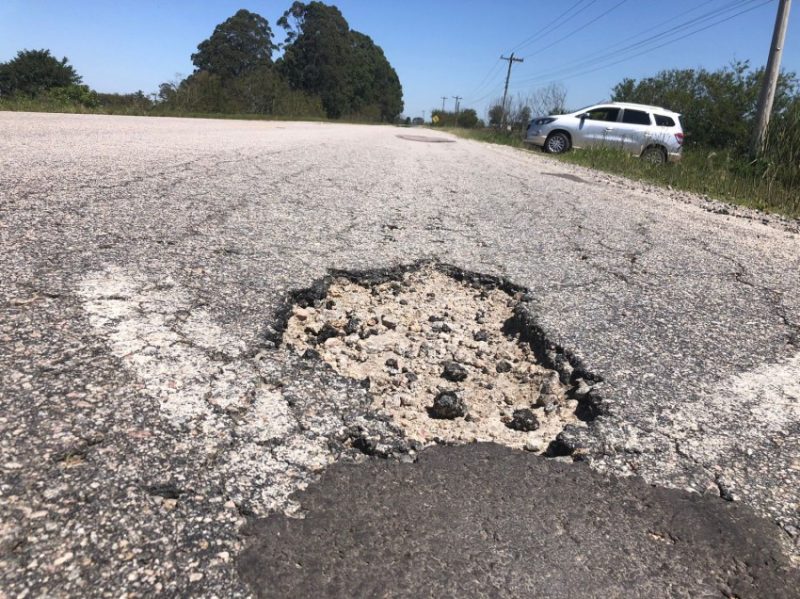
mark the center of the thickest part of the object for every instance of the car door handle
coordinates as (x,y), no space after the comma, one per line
(609,128)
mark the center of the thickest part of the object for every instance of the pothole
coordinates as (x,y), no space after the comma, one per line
(426,139)
(451,358)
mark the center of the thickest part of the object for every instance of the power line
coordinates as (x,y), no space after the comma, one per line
(553,25)
(711,15)
(583,62)
(579,29)
(641,47)
(643,50)
(491,85)
(492,71)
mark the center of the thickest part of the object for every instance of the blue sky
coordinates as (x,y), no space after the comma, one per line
(440,48)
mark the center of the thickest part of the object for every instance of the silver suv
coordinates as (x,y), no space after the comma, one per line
(651,132)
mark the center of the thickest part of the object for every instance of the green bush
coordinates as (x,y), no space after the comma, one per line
(73,94)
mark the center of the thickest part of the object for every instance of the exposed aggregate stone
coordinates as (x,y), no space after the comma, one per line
(413,341)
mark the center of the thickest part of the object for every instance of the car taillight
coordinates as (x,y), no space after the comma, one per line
(679,137)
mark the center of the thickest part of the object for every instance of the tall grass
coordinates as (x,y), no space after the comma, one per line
(781,158)
(719,175)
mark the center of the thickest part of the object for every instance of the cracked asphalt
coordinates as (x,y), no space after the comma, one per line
(146,415)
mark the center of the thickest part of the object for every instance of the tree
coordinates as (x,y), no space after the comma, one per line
(372,80)
(239,45)
(32,72)
(496,115)
(345,68)
(317,51)
(520,109)
(468,118)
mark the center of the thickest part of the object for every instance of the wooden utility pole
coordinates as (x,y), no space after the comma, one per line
(444,99)
(771,74)
(511,60)
(457,98)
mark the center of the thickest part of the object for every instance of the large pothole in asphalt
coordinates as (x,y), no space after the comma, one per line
(450,357)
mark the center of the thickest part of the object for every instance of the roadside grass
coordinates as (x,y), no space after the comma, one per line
(719,175)
(56,107)
(770,184)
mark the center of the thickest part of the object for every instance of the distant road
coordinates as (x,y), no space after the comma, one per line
(144,261)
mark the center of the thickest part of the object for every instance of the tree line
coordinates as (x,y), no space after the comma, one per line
(326,69)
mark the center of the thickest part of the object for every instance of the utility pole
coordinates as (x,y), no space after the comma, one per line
(444,99)
(457,98)
(511,60)
(771,73)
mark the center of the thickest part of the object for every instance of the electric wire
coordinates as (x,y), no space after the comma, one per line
(556,23)
(644,47)
(582,61)
(579,29)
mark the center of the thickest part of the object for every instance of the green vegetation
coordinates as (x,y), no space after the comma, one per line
(467,119)
(720,175)
(327,70)
(768,184)
(718,112)
(32,72)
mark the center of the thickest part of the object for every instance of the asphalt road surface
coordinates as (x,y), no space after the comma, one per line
(152,434)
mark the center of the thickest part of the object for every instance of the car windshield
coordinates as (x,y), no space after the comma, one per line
(584,109)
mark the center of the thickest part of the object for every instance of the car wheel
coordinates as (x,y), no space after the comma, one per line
(557,143)
(654,155)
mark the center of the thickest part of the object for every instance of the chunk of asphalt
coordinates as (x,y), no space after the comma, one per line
(503,366)
(447,405)
(524,526)
(352,326)
(454,372)
(441,327)
(481,335)
(328,331)
(523,420)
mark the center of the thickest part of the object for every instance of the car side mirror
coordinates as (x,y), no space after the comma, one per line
(585,115)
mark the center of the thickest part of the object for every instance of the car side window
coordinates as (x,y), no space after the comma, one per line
(664,121)
(603,114)
(635,117)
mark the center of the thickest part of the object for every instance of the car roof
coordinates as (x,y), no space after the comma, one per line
(647,107)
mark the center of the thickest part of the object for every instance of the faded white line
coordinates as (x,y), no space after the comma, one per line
(197,373)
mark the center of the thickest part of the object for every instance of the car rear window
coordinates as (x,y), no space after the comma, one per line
(664,121)
(635,117)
